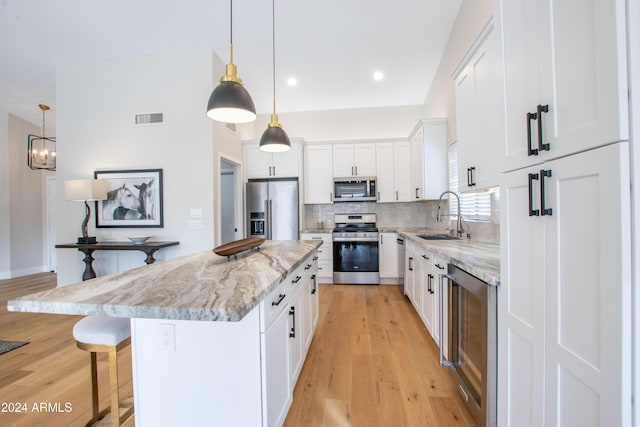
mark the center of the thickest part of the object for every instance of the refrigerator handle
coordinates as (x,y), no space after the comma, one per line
(267,222)
(270,220)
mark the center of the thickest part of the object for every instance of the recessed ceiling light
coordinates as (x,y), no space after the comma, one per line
(378,75)
(292,81)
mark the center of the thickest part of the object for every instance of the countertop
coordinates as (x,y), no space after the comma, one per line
(201,286)
(481,259)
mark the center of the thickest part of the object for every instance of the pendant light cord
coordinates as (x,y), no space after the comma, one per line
(43,133)
(273,39)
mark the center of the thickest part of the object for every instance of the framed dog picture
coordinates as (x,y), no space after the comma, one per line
(134,199)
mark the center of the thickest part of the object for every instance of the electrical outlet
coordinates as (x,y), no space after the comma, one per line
(167,337)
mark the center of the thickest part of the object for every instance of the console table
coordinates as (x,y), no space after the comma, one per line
(149,248)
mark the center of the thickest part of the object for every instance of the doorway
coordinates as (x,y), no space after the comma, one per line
(230,201)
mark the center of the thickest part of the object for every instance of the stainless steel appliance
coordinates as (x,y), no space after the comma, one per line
(272,209)
(472,337)
(355,249)
(361,189)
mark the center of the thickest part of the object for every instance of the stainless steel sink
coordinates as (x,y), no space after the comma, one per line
(437,237)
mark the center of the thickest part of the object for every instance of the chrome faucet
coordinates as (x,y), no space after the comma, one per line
(459,228)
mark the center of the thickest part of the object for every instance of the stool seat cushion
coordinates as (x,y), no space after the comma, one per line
(102,330)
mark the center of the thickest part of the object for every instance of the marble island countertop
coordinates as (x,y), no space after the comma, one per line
(481,259)
(201,286)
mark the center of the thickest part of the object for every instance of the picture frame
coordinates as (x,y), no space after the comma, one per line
(134,199)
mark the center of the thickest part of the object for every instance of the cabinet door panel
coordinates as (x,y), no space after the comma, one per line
(385,172)
(588,287)
(402,171)
(364,159)
(285,164)
(318,174)
(276,387)
(259,163)
(521,303)
(343,163)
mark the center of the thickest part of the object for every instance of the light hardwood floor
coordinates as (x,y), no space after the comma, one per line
(371,363)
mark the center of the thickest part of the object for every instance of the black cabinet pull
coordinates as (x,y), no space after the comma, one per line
(315,284)
(543,204)
(541,145)
(532,212)
(292,313)
(315,258)
(279,300)
(468,177)
(308,266)
(297,279)
(417,193)
(531,151)
(440,267)
(472,169)
(425,257)
(410,264)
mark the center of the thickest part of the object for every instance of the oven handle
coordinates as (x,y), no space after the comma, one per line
(355,239)
(441,340)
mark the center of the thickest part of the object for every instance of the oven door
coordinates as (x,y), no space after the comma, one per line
(355,261)
(472,320)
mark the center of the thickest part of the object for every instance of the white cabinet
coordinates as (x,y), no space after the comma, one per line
(565,68)
(428,163)
(296,338)
(262,164)
(277,390)
(479,122)
(564,338)
(402,171)
(388,256)
(318,173)
(410,269)
(324,254)
(354,160)
(428,292)
(385,172)
(310,302)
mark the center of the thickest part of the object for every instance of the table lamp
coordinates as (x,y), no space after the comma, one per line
(85,190)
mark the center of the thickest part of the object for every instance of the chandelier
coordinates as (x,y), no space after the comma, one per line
(41,151)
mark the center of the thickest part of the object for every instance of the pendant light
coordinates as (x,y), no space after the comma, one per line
(274,138)
(230,102)
(41,151)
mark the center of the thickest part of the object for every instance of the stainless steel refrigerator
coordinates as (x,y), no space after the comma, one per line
(272,209)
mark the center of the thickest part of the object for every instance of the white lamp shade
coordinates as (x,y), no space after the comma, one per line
(80,190)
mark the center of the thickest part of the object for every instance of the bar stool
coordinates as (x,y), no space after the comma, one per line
(105,334)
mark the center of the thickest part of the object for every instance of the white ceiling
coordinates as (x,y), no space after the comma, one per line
(331,46)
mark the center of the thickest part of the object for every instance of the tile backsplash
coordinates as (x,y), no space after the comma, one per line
(401,215)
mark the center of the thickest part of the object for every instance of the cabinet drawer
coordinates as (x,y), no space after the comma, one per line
(272,305)
(295,279)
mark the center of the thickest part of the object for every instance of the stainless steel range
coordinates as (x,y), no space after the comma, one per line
(355,249)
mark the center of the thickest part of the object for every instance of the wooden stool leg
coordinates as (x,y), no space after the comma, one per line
(94,387)
(115,393)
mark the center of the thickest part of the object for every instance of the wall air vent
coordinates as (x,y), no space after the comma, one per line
(149,119)
(231,127)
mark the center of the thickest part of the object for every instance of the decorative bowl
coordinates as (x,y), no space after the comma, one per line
(138,240)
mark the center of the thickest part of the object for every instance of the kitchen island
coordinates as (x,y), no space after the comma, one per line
(215,341)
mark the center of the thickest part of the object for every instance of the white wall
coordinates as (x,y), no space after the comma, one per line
(336,125)
(5,238)
(26,203)
(96,104)
(440,101)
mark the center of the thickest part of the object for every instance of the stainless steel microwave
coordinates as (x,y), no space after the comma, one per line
(361,189)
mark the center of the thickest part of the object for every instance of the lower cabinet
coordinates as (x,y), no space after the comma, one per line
(324,254)
(229,373)
(422,278)
(277,390)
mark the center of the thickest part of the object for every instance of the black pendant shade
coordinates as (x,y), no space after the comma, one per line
(231,103)
(275,139)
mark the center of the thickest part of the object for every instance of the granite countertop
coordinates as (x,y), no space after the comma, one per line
(317,230)
(201,286)
(481,259)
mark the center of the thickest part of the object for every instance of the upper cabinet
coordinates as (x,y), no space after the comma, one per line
(354,160)
(428,160)
(565,77)
(262,164)
(393,176)
(479,122)
(318,173)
